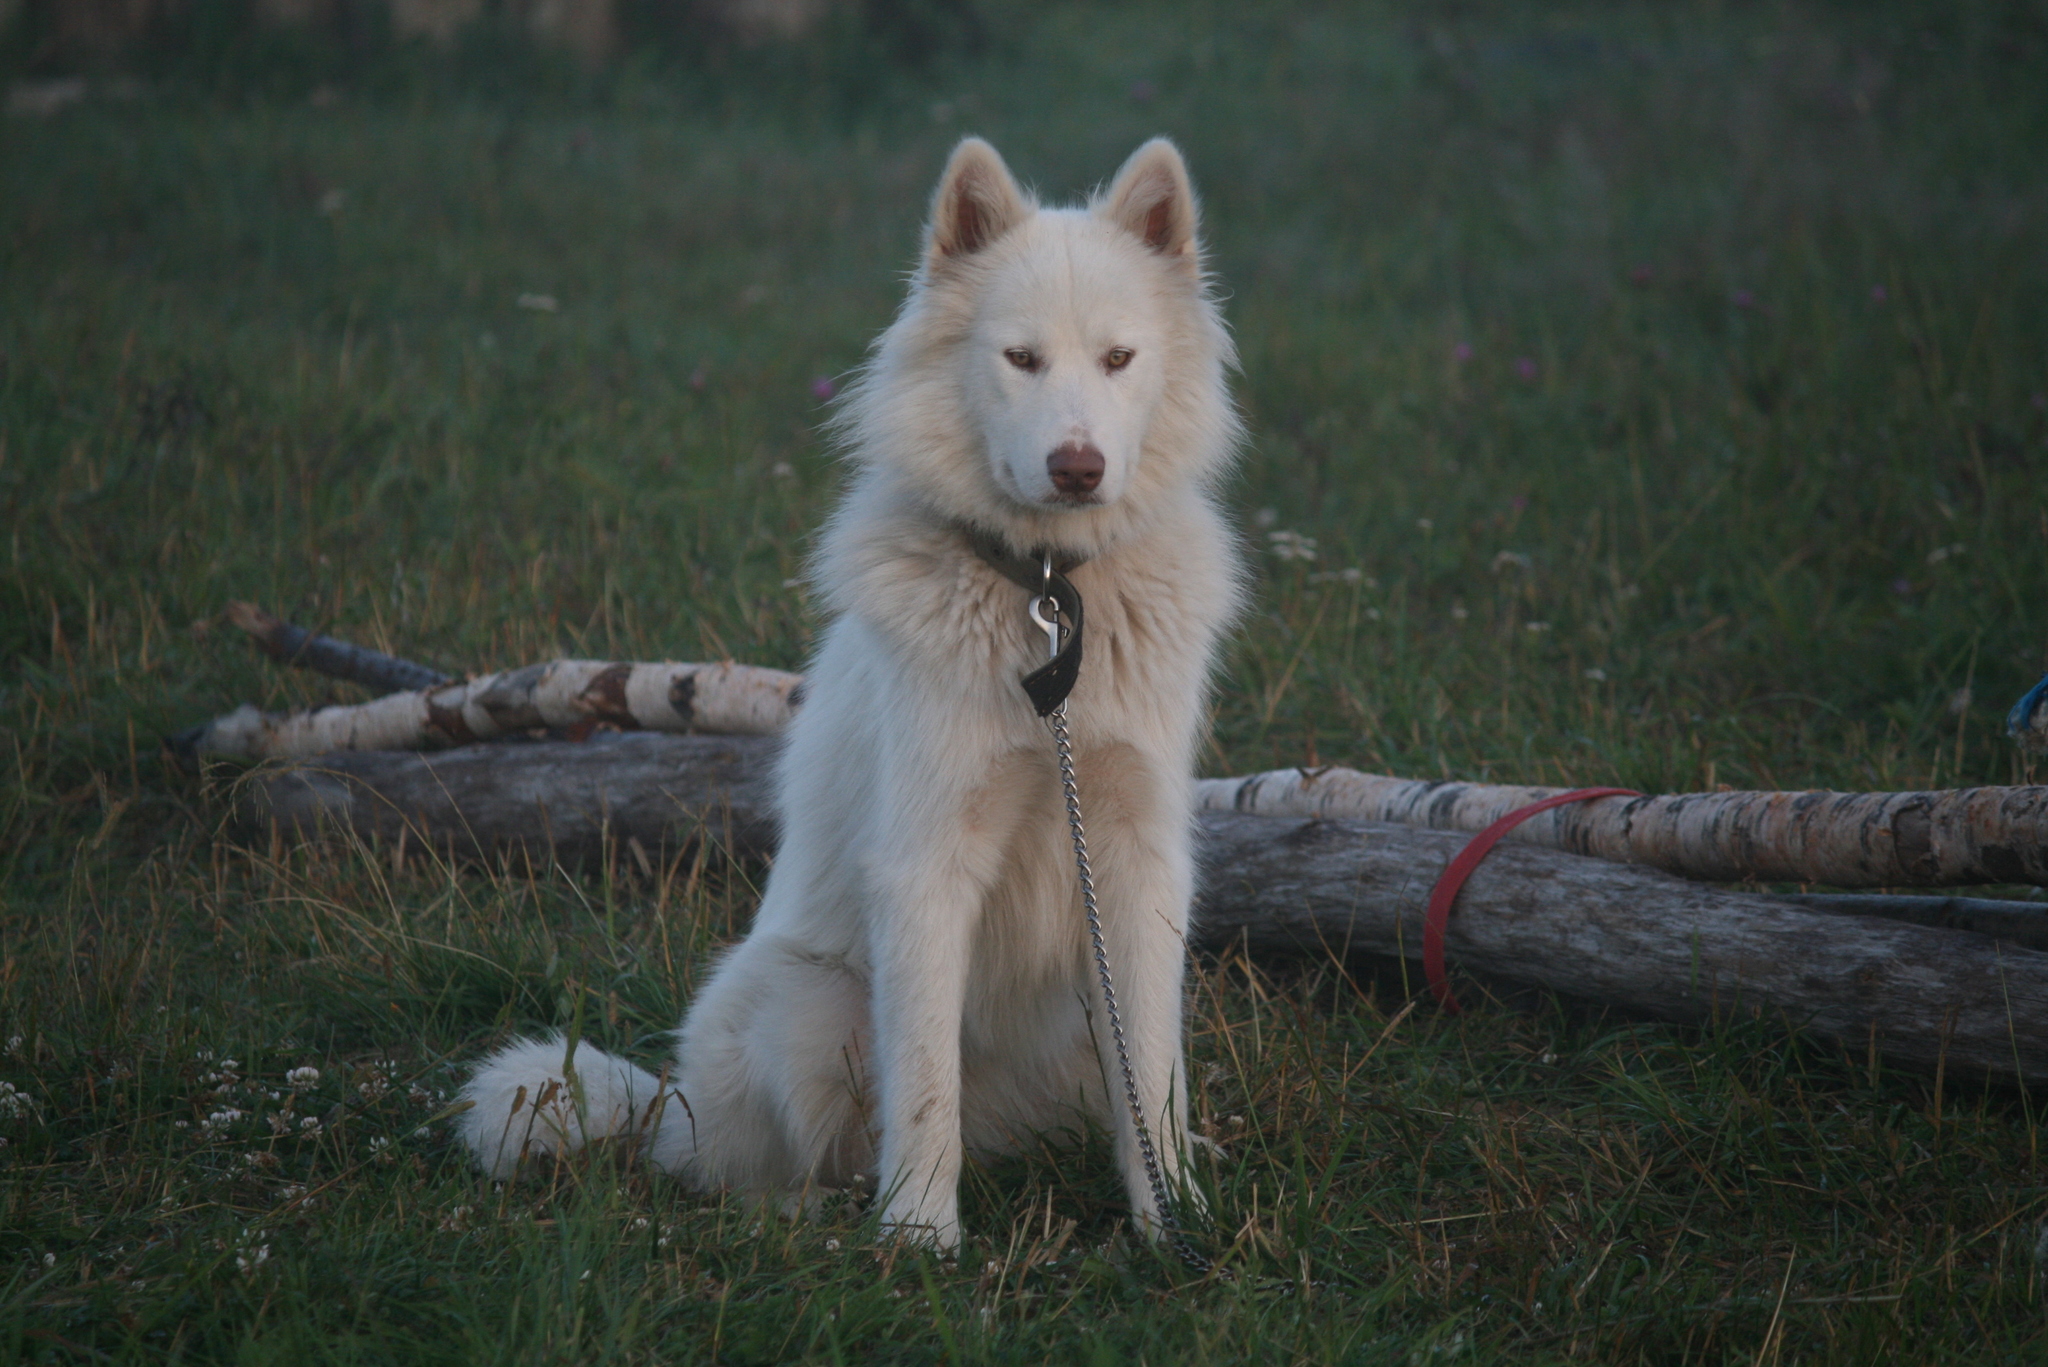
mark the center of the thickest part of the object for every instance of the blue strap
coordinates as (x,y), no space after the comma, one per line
(2027,723)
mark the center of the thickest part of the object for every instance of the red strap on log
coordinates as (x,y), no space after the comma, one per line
(1438,915)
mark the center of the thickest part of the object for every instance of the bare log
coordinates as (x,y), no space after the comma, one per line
(1849,840)
(548,801)
(2020,923)
(1611,932)
(294,645)
(1635,937)
(719,698)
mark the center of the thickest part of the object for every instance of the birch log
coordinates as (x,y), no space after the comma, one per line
(724,698)
(1963,835)
(1628,935)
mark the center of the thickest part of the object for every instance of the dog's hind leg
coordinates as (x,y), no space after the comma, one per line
(774,1071)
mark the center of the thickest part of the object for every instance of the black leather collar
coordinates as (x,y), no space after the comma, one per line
(1048,685)
(1025,571)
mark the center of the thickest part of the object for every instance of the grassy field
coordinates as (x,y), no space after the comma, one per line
(1662,389)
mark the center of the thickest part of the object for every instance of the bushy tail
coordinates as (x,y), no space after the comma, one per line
(534,1098)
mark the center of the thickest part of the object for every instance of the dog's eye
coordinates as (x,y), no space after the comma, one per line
(1118,357)
(1021,358)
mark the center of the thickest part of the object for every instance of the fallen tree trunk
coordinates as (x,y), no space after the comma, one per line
(2021,923)
(1634,937)
(725,698)
(572,802)
(1627,935)
(1931,839)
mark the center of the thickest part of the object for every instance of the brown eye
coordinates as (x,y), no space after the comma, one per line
(1021,358)
(1118,358)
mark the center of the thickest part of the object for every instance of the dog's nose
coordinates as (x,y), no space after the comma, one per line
(1075,467)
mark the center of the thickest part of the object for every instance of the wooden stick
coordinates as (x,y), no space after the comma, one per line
(1849,840)
(292,645)
(1611,932)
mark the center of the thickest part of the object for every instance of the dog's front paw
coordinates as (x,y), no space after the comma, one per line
(918,1229)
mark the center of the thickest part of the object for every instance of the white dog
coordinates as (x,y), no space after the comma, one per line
(918,982)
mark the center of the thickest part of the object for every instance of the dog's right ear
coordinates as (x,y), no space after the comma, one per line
(977,202)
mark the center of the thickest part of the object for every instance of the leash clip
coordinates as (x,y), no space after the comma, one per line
(1045,609)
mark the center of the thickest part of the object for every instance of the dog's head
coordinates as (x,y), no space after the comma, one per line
(1057,365)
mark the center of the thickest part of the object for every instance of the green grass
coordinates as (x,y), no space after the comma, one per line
(1738,520)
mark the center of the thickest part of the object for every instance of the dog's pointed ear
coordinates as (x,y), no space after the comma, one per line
(1152,199)
(977,202)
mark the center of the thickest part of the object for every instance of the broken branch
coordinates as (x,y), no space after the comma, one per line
(293,645)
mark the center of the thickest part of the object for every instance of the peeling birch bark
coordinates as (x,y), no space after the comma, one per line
(1963,835)
(1610,932)
(728,698)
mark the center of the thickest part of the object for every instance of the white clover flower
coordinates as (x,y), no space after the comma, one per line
(247,1263)
(379,1144)
(221,1119)
(302,1079)
(1290,545)
(15,1103)
(14,1045)
(309,1124)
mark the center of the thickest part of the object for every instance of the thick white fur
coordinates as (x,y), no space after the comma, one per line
(916,984)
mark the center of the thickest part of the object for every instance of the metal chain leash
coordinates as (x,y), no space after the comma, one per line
(1162,1198)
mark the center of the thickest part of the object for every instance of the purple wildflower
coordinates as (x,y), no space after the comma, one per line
(822,388)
